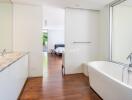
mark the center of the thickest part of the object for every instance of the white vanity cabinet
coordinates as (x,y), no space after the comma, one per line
(12,79)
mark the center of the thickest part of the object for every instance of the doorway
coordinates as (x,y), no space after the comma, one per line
(53,40)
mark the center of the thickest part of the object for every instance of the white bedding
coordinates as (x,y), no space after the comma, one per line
(59,50)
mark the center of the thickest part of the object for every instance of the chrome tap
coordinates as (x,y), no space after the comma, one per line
(3,52)
(130,59)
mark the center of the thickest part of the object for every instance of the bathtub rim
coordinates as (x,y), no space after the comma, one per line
(107,75)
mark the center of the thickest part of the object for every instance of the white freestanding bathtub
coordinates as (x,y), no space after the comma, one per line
(110,80)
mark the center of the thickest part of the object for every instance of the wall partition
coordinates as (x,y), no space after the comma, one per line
(81,38)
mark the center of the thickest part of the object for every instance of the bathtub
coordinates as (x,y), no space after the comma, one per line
(110,81)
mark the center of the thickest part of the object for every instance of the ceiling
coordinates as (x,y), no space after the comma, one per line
(86,4)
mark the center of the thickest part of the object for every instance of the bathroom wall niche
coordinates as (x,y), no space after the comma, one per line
(6,25)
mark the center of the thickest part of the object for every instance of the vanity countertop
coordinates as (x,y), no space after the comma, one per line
(10,58)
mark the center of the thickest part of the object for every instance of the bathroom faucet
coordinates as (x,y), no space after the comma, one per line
(130,58)
(3,52)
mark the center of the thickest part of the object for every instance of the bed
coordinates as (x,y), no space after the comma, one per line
(59,49)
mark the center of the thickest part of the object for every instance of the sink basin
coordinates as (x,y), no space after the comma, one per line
(9,57)
(4,61)
(1,57)
(13,55)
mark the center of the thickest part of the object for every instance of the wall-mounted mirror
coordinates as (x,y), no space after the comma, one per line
(6,24)
(121,34)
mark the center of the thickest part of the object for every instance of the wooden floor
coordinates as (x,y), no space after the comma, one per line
(55,87)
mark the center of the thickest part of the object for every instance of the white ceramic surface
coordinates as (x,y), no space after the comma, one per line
(9,58)
(13,77)
(110,81)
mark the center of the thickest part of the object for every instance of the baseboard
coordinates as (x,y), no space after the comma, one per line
(35,77)
(73,74)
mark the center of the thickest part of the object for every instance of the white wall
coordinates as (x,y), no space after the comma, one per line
(104,33)
(81,26)
(122,33)
(27,35)
(54,16)
(55,37)
(6,26)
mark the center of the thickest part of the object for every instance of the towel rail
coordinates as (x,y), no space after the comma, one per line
(82,42)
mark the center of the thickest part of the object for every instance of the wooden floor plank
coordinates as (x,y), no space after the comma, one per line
(54,86)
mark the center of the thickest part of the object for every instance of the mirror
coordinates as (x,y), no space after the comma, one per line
(6,18)
(121,36)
